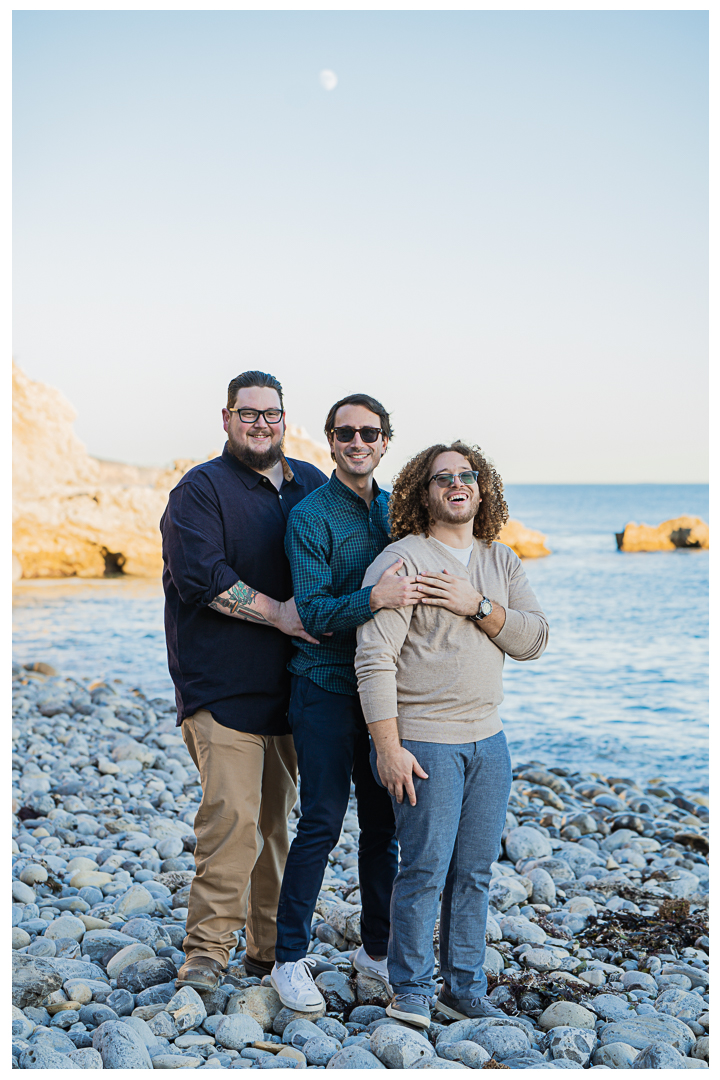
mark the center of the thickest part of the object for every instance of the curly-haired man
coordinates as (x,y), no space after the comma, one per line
(430,683)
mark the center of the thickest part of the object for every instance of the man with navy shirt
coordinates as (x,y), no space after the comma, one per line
(230,618)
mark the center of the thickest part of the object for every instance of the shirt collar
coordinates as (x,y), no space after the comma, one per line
(249,476)
(346,493)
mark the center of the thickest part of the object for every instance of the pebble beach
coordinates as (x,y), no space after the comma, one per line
(597,946)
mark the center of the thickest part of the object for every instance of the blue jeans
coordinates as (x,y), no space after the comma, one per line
(333,747)
(447,842)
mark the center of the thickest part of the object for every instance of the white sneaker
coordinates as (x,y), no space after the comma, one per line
(374,969)
(295,987)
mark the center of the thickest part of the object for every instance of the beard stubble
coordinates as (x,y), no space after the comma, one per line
(264,459)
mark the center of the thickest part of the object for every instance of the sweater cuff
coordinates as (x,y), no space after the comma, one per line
(510,638)
(379,701)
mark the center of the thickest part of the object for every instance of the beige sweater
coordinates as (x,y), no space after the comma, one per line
(438,672)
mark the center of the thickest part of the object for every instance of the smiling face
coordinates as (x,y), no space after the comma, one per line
(455,505)
(257,445)
(357,458)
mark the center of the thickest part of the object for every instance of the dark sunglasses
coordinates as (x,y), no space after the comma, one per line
(347,434)
(445,479)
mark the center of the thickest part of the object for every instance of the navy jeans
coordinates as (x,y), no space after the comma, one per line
(447,841)
(333,747)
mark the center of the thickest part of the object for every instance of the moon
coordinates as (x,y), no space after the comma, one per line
(328,79)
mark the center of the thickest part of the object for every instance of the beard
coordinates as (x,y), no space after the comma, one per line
(440,511)
(259,460)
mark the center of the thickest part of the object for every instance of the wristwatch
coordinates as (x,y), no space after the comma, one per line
(483,611)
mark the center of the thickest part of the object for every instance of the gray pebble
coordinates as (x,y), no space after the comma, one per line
(319,1049)
(43,1057)
(659,1055)
(469,1053)
(354,1057)
(120,1047)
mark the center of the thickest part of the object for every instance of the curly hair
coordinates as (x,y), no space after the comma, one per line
(408,508)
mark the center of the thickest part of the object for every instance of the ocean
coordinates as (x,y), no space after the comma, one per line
(622,688)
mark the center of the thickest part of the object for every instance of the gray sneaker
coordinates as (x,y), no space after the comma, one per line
(465,1008)
(412,1008)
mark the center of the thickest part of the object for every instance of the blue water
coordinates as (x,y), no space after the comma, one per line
(622,687)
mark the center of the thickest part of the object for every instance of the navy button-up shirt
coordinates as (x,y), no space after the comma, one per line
(226,522)
(331,539)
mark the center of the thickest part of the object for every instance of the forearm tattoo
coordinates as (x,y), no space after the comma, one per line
(239,601)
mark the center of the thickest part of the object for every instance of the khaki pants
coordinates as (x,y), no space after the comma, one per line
(249,789)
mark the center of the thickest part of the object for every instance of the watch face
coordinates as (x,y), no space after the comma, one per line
(486,607)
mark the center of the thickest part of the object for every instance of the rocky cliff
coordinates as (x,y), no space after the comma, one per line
(76,516)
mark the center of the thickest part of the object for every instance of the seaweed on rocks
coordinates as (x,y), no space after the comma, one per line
(545,985)
(551,929)
(672,926)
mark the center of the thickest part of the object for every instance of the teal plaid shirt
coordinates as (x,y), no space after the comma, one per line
(332,537)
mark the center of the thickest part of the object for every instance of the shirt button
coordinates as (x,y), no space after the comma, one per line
(280,497)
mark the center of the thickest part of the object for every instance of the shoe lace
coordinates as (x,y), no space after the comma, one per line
(414,999)
(301,977)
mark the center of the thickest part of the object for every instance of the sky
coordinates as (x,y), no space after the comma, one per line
(495,223)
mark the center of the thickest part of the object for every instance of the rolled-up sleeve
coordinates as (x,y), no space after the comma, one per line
(525,633)
(194,544)
(378,647)
(308,545)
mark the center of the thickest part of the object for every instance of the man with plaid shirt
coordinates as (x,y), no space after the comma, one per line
(332,537)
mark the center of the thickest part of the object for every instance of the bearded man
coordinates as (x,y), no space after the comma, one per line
(430,683)
(229,620)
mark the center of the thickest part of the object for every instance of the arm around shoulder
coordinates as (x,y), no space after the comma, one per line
(308,544)
(379,642)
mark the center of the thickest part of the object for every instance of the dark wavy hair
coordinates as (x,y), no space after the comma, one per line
(369,403)
(408,503)
(252,378)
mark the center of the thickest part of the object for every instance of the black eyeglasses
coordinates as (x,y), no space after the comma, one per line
(249,416)
(347,434)
(445,479)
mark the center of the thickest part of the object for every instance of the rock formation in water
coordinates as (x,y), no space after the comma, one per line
(681,532)
(76,516)
(527,543)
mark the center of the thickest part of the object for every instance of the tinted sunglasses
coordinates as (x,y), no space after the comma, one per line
(347,434)
(445,480)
